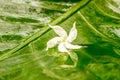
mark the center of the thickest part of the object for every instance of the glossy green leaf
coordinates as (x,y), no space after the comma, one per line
(24,33)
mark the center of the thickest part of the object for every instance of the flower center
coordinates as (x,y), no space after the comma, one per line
(63,40)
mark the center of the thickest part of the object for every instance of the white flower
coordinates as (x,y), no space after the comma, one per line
(64,40)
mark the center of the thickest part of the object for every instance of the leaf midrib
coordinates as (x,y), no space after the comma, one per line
(45,29)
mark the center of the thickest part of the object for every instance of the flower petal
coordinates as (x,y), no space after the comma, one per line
(59,30)
(51,43)
(73,33)
(62,48)
(70,46)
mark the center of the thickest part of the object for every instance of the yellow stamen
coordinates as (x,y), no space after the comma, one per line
(64,40)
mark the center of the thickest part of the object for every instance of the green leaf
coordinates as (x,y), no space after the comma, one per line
(24,33)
